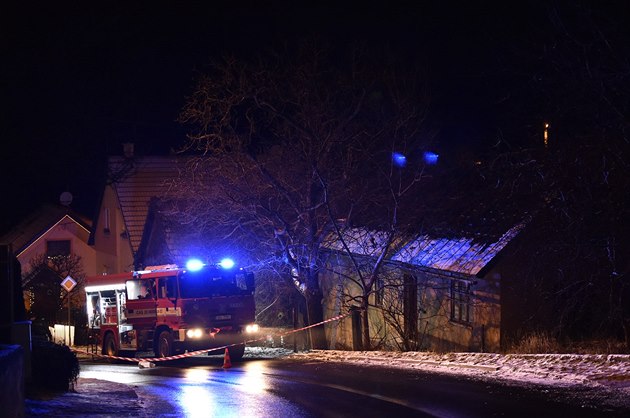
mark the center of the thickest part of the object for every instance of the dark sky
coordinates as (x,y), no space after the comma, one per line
(78,81)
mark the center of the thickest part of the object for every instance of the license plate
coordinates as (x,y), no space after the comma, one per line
(222,317)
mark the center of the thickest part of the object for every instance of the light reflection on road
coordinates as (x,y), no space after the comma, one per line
(253,381)
(204,391)
(197,401)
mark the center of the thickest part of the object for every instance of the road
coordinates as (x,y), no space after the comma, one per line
(200,387)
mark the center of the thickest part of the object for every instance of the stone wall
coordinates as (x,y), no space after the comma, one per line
(12,381)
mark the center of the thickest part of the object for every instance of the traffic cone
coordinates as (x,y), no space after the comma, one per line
(227,363)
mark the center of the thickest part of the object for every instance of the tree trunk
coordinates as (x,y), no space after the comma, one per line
(366,324)
(625,323)
(315,314)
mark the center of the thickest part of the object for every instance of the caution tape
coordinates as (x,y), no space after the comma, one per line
(207,350)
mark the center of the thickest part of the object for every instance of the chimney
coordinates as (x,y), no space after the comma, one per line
(128,149)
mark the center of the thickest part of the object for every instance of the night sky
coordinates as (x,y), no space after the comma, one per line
(80,81)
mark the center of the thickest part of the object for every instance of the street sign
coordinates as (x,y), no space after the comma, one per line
(68,283)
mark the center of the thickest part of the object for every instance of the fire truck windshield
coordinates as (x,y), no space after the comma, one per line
(212,282)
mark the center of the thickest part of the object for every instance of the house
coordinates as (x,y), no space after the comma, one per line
(131,229)
(433,293)
(132,183)
(51,232)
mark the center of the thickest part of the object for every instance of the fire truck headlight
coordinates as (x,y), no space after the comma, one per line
(251,328)
(194,333)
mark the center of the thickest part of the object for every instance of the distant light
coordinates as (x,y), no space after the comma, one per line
(399,159)
(546,134)
(194,265)
(227,263)
(430,158)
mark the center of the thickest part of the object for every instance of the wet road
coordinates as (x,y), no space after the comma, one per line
(200,387)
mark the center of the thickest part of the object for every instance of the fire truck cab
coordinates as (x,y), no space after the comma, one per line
(170,310)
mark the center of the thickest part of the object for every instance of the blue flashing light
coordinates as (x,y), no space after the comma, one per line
(227,263)
(399,159)
(194,265)
(430,158)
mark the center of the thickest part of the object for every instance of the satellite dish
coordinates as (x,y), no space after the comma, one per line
(65,198)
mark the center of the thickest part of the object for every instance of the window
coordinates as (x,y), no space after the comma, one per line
(460,301)
(56,249)
(167,287)
(140,289)
(106,229)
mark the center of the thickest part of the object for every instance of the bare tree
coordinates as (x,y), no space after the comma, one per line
(43,284)
(290,147)
(400,293)
(577,75)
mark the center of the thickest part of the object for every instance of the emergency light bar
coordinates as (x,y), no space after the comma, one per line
(227,263)
(194,265)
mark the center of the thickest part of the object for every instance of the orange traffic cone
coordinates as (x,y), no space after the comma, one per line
(227,363)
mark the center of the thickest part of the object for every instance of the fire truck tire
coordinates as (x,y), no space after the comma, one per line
(109,345)
(237,352)
(164,346)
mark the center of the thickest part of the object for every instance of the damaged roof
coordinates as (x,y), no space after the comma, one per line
(456,255)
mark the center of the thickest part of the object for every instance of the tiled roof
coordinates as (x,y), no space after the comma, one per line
(456,255)
(138,180)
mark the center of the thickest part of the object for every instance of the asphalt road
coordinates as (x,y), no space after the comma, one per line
(200,387)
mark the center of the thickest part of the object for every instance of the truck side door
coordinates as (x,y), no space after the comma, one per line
(140,306)
(167,310)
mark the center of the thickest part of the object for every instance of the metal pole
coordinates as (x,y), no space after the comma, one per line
(68,342)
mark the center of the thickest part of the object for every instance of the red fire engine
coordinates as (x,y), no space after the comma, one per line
(169,310)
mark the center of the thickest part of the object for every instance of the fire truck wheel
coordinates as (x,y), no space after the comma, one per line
(164,346)
(109,346)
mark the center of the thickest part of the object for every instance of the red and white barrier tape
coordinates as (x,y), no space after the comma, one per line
(196,353)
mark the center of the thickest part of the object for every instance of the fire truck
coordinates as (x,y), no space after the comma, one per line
(170,310)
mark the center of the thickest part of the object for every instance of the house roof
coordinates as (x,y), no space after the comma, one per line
(136,181)
(38,223)
(466,256)
(463,255)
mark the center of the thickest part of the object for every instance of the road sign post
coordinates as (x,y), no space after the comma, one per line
(68,284)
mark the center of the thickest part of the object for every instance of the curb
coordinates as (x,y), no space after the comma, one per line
(484,367)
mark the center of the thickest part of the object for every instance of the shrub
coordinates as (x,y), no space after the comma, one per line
(54,366)
(535,343)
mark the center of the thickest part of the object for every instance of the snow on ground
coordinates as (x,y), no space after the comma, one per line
(549,369)
(606,375)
